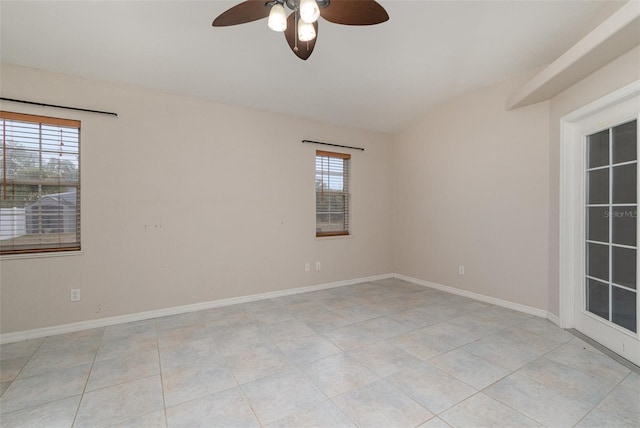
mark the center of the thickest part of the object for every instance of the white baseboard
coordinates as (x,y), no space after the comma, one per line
(175,310)
(554,319)
(480,297)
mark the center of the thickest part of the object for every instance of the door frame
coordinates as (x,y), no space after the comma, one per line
(571,253)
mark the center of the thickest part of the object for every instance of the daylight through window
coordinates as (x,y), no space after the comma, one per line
(39,184)
(332,193)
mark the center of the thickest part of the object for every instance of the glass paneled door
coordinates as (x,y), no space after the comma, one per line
(609,299)
(611,225)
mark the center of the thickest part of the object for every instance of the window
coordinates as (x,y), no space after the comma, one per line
(332,193)
(39,184)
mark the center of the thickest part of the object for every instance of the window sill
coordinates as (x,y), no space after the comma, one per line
(40,255)
(332,237)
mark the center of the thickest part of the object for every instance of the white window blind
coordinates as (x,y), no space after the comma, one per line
(40,184)
(332,193)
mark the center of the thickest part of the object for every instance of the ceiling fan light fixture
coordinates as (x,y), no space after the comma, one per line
(298,19)
(309,11)
(306,32)
(277,18)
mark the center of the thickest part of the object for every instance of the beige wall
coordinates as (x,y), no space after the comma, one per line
(471,188)
(231,188)
(615,75)
(478,186)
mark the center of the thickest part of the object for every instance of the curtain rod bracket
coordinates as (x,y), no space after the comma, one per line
(13,100)
(334,145)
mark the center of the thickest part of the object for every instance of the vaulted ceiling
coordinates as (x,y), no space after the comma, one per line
(378,77)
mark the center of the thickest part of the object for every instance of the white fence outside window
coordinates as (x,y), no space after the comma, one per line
(13,222)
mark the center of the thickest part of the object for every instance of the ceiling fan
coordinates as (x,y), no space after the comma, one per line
(300,27)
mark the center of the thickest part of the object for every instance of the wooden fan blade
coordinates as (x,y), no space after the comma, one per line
(247,11)
(354,12)
(304,49)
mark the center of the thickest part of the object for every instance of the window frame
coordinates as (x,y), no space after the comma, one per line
(346,193)
(54,247)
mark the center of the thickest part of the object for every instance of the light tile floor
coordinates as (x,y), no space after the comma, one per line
(382,354)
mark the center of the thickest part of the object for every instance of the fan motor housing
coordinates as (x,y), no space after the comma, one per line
(293,4)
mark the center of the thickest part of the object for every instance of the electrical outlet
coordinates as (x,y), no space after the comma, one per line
(307,267)
(318,266)
(75,295)
(461,270)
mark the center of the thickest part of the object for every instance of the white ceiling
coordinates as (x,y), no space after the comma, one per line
(378,77)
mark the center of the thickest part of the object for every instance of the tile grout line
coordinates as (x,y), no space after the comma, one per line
(164,401)
(75,417)
(25,365)
(238,385)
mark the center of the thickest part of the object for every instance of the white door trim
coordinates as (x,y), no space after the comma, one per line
(571,198)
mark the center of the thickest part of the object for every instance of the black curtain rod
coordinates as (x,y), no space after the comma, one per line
(334,145)
(57,106)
